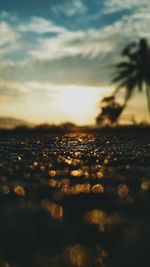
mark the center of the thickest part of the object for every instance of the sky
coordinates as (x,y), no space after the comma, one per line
(55,56)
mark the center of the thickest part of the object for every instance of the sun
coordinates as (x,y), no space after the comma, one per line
(77,100)
(78,103)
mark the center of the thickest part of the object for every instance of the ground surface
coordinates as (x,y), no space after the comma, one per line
(75,200)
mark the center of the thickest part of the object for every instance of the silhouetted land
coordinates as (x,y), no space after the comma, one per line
(75,199)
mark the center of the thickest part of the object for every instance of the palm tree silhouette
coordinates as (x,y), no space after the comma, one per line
(110,111)
(134,71)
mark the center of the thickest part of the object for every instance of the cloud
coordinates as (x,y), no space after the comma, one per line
(113,6)
(78,57)
(27,90)
(68,56)
(71,8)
(102,44)
(88,43)
(6,16)
(40,25)
(9,49)
(64,44)
(69,70)
(10,90)
(7,34)
(10,40)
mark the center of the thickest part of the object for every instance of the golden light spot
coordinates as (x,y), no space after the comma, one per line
(96,217)
(113,221)
(86,174)
(49,165)
(86,188)
(100,175)
(98,188)
(65,189)
(52,173)
(78,255)
(76,162)
(106,162)
(77,153)
(75,173)
(77,189)
(5,189)
(65,181)
(19,190)
(145,185)
(68,161)
(35,163)
(54,209)
(123,190)
(104,253)
(53,183)
(42,168)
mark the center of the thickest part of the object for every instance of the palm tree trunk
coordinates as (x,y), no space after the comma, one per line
(124,104)
(148,97)
(116,91)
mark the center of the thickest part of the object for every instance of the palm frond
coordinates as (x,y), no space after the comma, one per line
(127,50)
(134,70)
(124,66)
(123,75)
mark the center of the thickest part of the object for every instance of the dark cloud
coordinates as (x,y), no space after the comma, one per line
(69,70)
(8,90)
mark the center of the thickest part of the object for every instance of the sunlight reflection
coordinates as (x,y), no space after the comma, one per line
(78,255)
(19,190)
(53,183)
(96,217)
(52,173)
(104,221)
(55,210)
(145,186)
(123,190)
(5,189)
(98,188)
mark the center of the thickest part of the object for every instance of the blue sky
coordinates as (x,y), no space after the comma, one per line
(49,46)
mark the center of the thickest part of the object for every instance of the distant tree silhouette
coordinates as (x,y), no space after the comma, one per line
(110,111)
(133,72)
(68,125)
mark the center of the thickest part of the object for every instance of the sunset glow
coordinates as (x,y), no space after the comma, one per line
(79,104)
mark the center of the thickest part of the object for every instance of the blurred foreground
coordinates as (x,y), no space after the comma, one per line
(78,199)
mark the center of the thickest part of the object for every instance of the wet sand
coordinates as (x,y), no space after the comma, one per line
(79,199)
